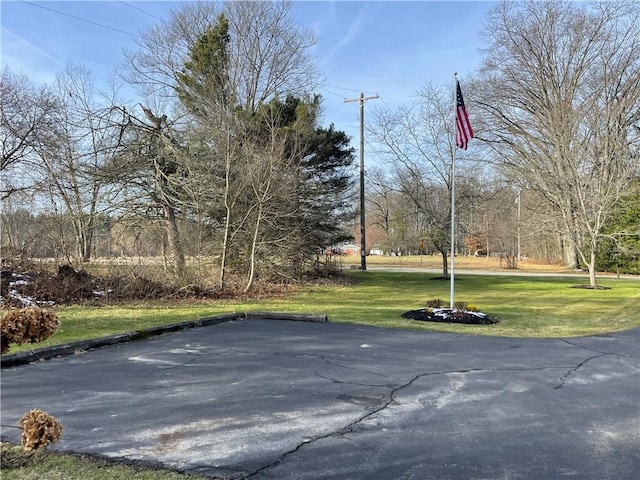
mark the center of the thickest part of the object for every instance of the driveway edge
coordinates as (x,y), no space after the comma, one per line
(287,316)
(44,353)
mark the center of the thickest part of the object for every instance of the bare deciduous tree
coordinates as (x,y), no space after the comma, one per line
(26,112)
(560,89)
(149,170)
(418,144)
(82,136)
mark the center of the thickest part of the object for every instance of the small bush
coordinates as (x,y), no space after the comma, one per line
(39,429)
(435,303)
(27,325)
(460,305)
(472,308)
(439,303)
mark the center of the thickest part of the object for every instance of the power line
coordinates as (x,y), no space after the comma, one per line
(349,89)
(385,103)
(142,11)
(79,18)
(332,93)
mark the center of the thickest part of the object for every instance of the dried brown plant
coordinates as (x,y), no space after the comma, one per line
(39,429)
(27,325)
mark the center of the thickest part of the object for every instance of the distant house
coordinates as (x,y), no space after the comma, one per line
(350,249)
(375,250)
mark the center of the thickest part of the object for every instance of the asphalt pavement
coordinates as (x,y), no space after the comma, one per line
(269,399)
(504,272)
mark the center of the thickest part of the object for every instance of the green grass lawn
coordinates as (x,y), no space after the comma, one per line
(524,306)
(49,465)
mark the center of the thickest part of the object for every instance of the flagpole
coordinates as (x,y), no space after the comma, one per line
(453,194)
(463,133)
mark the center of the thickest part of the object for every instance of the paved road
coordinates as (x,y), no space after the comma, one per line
(504,272)
(268,399)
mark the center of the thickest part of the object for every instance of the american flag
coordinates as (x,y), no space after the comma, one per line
(464,133)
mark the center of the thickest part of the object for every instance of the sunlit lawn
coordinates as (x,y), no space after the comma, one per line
(50,465)
(524,306)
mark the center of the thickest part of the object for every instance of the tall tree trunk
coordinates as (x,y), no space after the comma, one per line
(90,227)
(591,261)
(85,232)
(87,243)
(79,240)
(593,282)
(227,223)
(173,237)
(254,247)
(570,254)
(445,265)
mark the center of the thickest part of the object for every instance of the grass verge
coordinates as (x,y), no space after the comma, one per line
(49,465)
(525,306)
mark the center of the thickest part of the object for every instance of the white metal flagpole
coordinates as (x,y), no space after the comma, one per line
(453,192)
(463,133)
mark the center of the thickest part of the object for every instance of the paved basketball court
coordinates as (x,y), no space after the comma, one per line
(268,399)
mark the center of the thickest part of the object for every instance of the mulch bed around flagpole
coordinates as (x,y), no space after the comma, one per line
(448,315)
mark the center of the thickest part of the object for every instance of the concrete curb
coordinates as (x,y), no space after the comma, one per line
(287,316)
(22,358)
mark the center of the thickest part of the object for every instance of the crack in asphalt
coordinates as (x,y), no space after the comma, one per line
(385,402)
(581,364)
(391,399)
(351,426)
(332,362)
(576,368)
(624,355)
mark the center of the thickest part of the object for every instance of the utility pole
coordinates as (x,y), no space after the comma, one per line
(363,244)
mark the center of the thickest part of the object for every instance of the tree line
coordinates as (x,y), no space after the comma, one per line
(555,165)
(223,155)
(226,152)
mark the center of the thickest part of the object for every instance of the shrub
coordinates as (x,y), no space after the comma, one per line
(39,429)
(27,325)
(435,303)
(439,303)
(460,305)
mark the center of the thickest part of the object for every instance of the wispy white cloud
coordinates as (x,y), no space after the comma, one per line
(22,56)
(26,44)
(355,28)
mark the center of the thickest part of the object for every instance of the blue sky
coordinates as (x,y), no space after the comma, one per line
(384,47)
